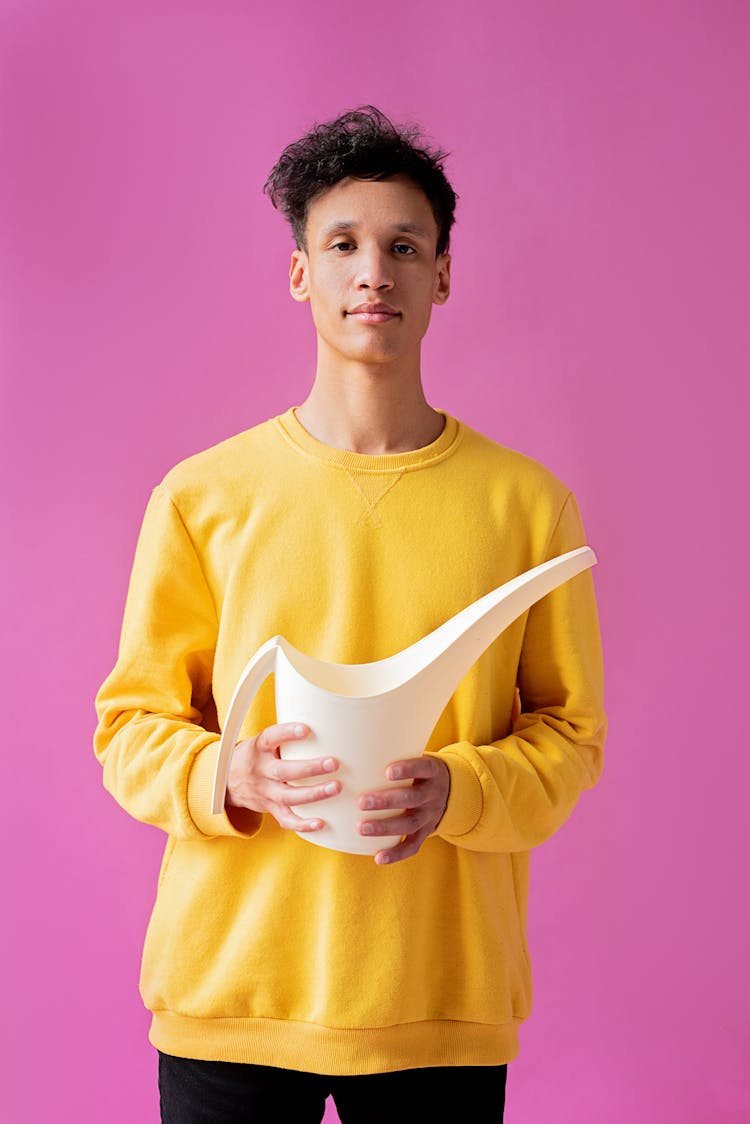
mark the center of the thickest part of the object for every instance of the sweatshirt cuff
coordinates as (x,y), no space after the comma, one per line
(199,790)
(465,799)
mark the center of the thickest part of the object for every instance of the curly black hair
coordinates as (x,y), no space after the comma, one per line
(365,144)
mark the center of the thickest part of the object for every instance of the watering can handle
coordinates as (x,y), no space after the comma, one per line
(257,670)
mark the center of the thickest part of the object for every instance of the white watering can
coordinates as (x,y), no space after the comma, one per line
(369,714)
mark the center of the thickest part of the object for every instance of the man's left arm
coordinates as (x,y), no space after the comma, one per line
(513,793)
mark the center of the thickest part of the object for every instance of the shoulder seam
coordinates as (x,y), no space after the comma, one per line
(163,487)
(556,524)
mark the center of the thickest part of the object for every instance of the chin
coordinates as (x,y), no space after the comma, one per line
(374,353)
(376,356)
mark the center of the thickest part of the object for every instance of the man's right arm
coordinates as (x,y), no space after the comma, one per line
(158,759)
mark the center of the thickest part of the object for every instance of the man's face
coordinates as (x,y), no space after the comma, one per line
(371,243)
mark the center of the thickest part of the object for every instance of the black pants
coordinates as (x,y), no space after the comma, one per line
(200,1092)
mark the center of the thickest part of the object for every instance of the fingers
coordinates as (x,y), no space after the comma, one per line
(430,785)
(290,794)
(285,817)
(277,798)
(274,736)
(278,770)
(260,780)
(418,768)
(517,706)
(268,741)
(403,850)
(419,806)
(406,824)
(413,796)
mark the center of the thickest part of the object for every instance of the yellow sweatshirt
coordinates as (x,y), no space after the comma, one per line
(263,947)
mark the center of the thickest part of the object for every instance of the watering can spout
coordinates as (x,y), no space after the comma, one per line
(439,661)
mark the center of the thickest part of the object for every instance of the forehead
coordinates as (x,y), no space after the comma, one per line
(395,202)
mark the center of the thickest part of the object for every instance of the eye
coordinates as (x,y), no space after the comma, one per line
(337,245)
(403,246)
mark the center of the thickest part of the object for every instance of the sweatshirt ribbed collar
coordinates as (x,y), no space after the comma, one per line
(294,432)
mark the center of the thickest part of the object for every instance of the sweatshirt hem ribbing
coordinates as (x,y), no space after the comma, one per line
(335,1050)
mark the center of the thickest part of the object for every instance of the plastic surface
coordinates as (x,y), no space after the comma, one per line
(358,712)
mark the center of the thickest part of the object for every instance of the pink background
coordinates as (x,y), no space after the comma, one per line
(599,322)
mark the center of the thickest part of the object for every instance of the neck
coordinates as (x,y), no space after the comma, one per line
(371,409)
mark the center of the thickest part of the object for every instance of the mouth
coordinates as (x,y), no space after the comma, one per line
(373,313)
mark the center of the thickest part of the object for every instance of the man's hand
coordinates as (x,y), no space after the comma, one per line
(421,805)
(258,778)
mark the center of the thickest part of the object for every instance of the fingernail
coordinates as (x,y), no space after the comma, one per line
(331,788)
(368,829)
(394,774)
(382,859)
(329,764)
(368,803)
(298,730)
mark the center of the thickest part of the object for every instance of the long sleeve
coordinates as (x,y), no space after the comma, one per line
(157,756)
(516,792)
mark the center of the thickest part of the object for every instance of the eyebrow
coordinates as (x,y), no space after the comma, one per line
(397,228)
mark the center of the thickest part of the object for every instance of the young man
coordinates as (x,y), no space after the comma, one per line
(278,972)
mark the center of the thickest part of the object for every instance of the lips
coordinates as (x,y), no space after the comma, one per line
(373,313)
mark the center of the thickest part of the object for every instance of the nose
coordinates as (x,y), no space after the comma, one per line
(374,269)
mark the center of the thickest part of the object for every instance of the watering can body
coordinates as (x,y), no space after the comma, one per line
(367,715)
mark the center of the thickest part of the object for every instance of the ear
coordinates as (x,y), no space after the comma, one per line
(298,286)
(442,279)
